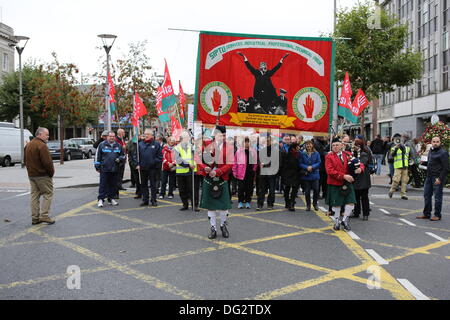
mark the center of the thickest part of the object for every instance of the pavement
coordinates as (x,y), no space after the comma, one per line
(74,173)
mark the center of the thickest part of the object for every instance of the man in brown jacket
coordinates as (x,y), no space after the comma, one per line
(40,169)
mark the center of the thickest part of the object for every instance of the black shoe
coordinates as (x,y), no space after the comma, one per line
(346,224)
(184,208)
(308,208)
(404,198)
(224,230)
(122,189)
(259,208)
(316,207)
(137,197)
(196,209)
(354,216)
(365,218)
(154,203)
(144,204)
(213,233)
(292,208)
(270,207)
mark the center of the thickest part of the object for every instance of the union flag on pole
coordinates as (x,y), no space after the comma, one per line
(176,128)
(345,101)
(162,115)
(168,96)
(111,92)
(360,103)
(139,110)
(182,101)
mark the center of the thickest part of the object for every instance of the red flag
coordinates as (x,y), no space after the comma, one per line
(182,101)
(345,99)
(176,128)
(168,96)
(360,103)
(139,110)
(111,89)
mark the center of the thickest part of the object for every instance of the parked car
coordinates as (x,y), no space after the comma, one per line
(87,145)
(71,150)
(10,143)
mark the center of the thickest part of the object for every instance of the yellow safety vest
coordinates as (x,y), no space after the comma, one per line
(186,156)
(398,158)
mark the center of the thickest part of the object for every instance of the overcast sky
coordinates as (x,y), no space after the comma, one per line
(70,27)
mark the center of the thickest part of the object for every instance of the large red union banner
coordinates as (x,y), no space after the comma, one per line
(265,81)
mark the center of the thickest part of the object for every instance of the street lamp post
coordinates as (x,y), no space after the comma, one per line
(108,41)
(18,40)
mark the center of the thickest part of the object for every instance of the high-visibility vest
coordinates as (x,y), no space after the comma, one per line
(398,158)
(186,156)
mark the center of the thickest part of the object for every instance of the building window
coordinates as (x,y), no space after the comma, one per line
(386,129)
(445,78)
(5,63)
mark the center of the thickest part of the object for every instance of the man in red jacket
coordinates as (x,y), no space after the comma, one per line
(169,166)
(340,184)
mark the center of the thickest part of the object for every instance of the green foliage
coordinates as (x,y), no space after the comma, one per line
(9,97)
(374,58)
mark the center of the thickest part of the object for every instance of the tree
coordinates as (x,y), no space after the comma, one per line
(131,74)
(9,97)
(58,96)
(375,58)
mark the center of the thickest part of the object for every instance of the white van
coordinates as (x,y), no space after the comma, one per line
(10,143)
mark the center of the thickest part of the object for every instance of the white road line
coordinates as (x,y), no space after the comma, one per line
(385,211)
(413,290)
(436,236)
(371,203)
(23,194)
(376,256)
(353,235)
(323,209)
(407,222)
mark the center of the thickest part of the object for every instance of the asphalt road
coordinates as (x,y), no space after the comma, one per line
(130,252)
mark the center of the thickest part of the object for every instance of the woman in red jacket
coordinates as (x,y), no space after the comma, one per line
(340,184)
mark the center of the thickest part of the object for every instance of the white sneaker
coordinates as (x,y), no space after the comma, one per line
(100,204)
(114,202)
(160,197)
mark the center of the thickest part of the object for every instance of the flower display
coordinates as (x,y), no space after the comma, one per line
(439,129)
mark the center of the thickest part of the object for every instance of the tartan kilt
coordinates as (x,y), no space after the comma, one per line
(336,199)
(210,203)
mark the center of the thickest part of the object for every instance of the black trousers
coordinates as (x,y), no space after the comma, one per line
(158,179)
(245,187)
(308,185)
(290,193)
(132,175)
(185,188)
(120,175)
(146,177)
(168,176)
(323,183)
(137,181)
(362,200)
(266,183)
(198,180)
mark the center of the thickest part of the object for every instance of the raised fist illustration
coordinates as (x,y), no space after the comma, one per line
(216,100)
(309,107)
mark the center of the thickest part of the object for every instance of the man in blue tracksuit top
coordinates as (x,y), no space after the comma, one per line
(150,160)
(107,159)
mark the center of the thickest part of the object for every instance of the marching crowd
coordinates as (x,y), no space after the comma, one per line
(222,167)
(208,171)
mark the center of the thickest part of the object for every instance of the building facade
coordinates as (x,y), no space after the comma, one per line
(6,52)
(408,109)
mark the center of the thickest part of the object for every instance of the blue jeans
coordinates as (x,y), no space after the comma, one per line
(108,187)
(379,158)
(430,189)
